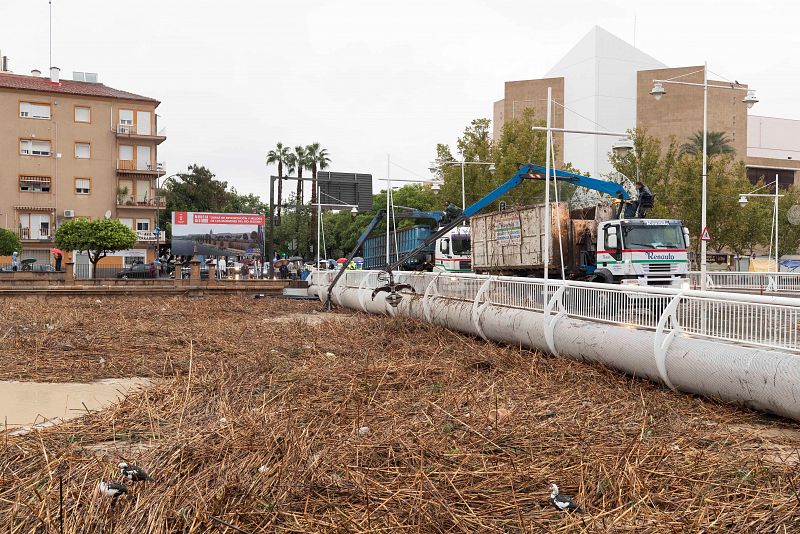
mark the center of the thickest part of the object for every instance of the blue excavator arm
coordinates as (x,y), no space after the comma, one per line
(610,188)
(525,172)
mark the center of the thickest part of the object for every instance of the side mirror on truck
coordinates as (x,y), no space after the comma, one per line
(444,246)
(611,239)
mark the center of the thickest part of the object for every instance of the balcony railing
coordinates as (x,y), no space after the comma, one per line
(145,235)
(130,202)
(138,166)
(32,234)
(133,129)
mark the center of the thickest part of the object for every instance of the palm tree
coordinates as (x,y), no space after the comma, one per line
(718,143)
(279,155)
(299,162)
(317,160)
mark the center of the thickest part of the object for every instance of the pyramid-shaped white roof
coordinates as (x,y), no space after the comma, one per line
(599,94)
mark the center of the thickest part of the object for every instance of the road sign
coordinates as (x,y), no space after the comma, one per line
(705,235)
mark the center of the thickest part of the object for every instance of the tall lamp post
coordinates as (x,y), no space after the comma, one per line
(462,163)
(743,202)
(750,99)
(157,229)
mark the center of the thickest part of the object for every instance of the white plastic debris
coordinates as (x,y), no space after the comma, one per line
(263,469)
(329,355)
(363,431)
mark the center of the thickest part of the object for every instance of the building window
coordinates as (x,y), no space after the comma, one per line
(127,222)
(31,147)
(785,177)
(83,150)
(29,110)
(83,186)
(34,226)
(126,118)
(83,114)
(34,184)
(126,152)
(142,225)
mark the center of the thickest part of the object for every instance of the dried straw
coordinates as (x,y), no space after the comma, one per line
(295,423)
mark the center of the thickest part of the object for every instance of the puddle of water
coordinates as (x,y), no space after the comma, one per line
(28,403)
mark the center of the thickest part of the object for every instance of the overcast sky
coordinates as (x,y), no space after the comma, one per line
(367,78)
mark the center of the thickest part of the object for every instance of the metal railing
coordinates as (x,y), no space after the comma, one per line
(145,235)
(134,165)
(772,322)
(32,235)
(130,202)
(753,281)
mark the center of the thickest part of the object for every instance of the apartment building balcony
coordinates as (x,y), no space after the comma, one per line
(40,235)
(135,132)
(145,235)
(128,201)
(125,166)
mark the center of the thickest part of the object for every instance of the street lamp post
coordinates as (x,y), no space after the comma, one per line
(750,99)
(462,163)
(743,202)
(157,229)
(320,205)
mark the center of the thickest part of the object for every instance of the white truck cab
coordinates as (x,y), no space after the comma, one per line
(643,252)
(453,251)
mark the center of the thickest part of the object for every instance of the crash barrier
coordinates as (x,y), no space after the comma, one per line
(736,347)
(749,281)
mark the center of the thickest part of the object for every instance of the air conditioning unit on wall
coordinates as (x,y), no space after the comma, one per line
(69,214)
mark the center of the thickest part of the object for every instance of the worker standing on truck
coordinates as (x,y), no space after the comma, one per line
(451,212)
(640,206)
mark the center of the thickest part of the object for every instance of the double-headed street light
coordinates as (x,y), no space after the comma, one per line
(462,163)
(743,202)
(750,99)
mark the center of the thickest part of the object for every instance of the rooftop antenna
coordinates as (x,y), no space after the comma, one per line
(50,2)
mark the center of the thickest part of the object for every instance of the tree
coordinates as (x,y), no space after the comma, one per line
(248,203)
(475,144)
(9,243)
(286,236)
(97,238)
(298,161)
(717,143)
(195,190)
(676,181)
(280,155)
(342,229)
(318,160)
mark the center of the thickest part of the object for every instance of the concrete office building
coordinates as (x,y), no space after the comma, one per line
(605,84)
(76,148)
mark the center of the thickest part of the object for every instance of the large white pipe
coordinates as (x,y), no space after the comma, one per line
(763,379)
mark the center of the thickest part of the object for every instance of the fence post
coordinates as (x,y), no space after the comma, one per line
(194,272)
(69,275)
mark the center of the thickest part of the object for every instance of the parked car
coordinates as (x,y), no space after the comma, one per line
(139,270)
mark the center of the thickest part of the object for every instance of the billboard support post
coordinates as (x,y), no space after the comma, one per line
(270,234)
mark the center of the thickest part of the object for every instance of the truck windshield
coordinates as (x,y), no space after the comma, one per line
(460,243)
(638,235)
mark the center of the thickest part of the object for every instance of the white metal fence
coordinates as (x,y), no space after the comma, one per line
(765,321)
(749,281)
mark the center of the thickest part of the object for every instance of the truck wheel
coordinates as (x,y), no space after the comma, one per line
(602,276)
